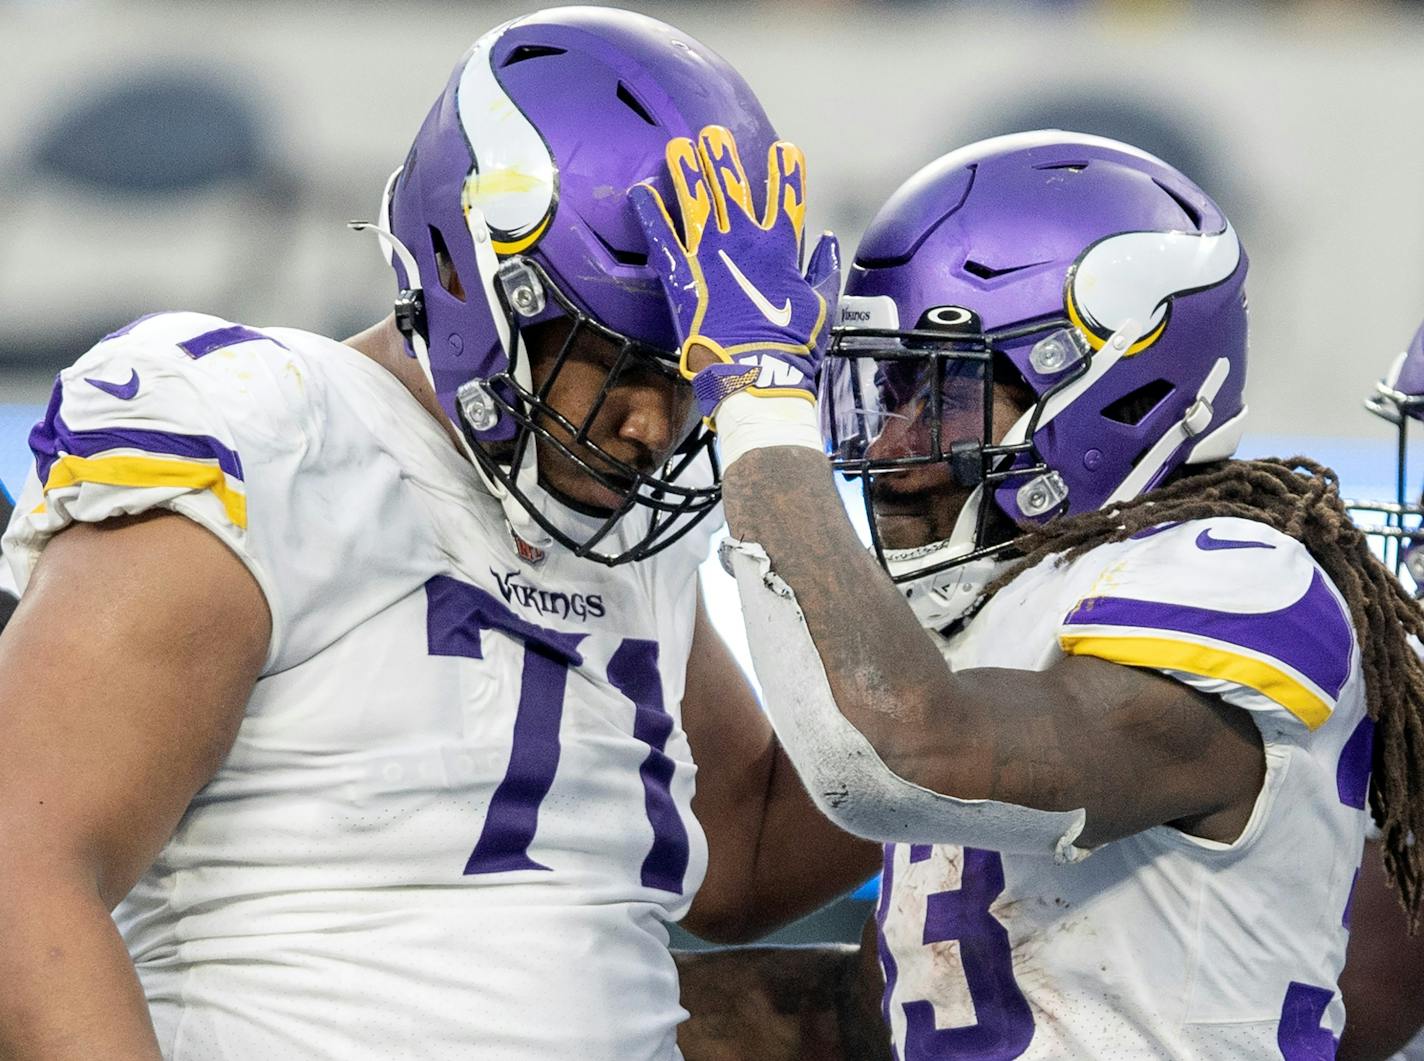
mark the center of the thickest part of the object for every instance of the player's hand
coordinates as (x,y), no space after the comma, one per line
(747,319)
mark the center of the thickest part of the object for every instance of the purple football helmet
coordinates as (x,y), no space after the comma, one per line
(1090,273)
(1399,399)
(511,210)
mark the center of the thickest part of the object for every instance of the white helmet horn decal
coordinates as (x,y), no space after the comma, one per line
(1135,275)
(514,182)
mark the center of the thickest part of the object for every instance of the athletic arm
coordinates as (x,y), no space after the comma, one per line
(1383,968)
(127,667)
(772,855)
(1130,746)
(818,1003)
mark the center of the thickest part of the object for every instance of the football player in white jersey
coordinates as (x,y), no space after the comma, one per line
(366,678)
(1120,706)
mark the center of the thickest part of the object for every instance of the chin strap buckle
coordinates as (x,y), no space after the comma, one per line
(1197,418)
(410,313)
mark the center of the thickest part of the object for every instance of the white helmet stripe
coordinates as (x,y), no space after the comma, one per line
(512,182)
(1135,274)
(972,153)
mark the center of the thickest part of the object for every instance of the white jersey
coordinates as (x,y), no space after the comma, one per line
(456,815)
(1159,945)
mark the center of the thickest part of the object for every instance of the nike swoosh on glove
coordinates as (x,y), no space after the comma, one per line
(732,278)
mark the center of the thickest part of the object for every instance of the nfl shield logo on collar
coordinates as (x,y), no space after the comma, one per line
(530,554)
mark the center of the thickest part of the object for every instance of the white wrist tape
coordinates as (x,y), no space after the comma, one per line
(746,422)
(845,777)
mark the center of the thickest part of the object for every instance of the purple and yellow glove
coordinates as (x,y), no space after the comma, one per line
(733,279)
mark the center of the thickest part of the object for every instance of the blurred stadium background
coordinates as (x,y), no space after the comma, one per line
(202,155)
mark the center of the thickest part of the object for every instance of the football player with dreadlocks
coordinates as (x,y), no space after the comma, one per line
(1119,708)
(366,678)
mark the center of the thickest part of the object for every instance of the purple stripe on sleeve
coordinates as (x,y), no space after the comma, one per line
(52,437)
(1352,773)
(1312,635)
(205,344)
(920,852)
(43,443)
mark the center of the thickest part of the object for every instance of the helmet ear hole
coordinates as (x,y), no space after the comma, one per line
(445,265)
(1135,406)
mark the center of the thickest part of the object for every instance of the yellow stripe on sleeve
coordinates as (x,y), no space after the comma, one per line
(149,472)
(1208,662)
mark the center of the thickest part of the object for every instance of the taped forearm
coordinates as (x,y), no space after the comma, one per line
(844,775)
(746,422)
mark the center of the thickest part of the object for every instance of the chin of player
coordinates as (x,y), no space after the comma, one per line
(903,530)
(579,490)
(911,519)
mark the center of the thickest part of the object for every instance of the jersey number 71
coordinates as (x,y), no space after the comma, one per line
(457,613)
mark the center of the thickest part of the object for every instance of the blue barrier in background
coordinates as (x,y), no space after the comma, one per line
(15,424)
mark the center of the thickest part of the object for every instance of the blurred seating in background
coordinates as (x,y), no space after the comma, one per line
(152,190)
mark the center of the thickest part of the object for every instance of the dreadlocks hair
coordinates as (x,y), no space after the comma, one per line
(1301,499)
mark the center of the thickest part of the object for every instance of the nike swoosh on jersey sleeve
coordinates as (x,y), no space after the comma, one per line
(137,458)
(1298,656)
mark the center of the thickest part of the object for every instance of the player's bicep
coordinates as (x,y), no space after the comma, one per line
(126,670)
(1130,746)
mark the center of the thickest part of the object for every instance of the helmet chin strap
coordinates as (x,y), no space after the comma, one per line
(393,249)
(527,475)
